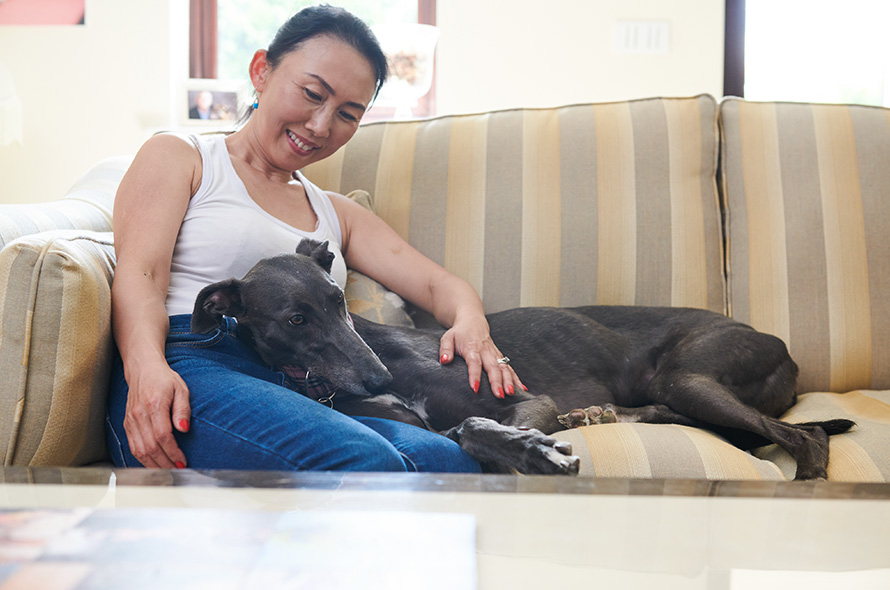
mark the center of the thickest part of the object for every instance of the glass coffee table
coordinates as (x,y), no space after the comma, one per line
(188,529)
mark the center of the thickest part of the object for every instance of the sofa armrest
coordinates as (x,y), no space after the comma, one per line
(86,206)
(55,348)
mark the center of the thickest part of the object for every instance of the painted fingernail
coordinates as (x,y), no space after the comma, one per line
(180,465)
(510,389)
(444,359)
(524,387)
(475,387)
(500,393)
(184,425)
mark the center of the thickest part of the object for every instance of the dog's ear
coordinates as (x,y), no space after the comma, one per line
(318,251)
(215,301)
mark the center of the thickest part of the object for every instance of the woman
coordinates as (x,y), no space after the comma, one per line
(192,211)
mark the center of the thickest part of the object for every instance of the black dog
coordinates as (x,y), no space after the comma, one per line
(582,365)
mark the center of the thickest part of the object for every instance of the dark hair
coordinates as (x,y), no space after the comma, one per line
(325,19)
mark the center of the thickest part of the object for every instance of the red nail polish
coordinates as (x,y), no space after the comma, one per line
(500,393)
(444,359)
(184,425)
(180,465)
(524,387)
(475,387)
(510,389)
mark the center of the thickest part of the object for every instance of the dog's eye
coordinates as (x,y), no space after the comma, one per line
(340,297)
(295,320)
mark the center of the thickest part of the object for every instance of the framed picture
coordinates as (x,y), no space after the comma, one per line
(213,103)
(42,12)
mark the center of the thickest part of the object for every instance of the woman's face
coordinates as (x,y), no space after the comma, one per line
(312,102)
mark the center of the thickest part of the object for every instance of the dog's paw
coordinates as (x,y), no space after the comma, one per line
(546,455)
(587,416)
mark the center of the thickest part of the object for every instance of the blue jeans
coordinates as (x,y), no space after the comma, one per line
(243,417)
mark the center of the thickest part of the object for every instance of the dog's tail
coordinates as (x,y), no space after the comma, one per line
(747,441)
(832,427)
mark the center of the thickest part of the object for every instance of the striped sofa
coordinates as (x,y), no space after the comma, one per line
(773,213)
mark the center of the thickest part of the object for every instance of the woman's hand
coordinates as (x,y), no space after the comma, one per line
(158,401)
(470,339)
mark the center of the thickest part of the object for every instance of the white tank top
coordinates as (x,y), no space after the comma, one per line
(224,232)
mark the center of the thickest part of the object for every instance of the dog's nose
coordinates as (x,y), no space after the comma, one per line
(378,382)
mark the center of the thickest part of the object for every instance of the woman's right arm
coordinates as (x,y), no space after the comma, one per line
(148,210)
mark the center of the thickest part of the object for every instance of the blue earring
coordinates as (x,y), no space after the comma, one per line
(256,104)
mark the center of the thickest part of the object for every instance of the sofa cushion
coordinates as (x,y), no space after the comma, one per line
(662,451)
(807,196)
(369,299)
(366,297)
(860,455)
(55,347)
(599,203)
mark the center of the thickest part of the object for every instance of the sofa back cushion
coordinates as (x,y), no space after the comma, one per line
(598,203)
(807,191)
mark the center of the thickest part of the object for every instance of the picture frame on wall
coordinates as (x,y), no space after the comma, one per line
(42,12)
(212,103)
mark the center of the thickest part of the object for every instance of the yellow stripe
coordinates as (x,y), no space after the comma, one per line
(767,251)
(616,200)
(689,273)
(327,174)
(395,168)
(721,461)
(617,451)
(848,461)
(465,211)
(849,307)
(541,209)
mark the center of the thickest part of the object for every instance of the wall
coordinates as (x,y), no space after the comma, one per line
(101,89)
(89,91)
(506,53)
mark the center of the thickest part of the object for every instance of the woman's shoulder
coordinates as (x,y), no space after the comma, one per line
(168,144)
(172,155)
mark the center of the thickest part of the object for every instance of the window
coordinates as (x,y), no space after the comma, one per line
(808,51)
(226,33)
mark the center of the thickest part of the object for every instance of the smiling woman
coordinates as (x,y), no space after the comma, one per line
(217,204)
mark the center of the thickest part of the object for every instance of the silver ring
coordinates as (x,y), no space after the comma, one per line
(504,360)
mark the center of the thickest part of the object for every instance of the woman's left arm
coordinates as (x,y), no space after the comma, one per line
(373,248)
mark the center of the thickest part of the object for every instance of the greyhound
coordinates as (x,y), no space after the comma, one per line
(585,365)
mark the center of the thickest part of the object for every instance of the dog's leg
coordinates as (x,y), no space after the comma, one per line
(528,451)
(703,398)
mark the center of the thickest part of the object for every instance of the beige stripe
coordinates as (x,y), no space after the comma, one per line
(578,202)
(689,262)
(541,208)
(465,213)
(616,190)
(392,192)
(846,256)
(871,130)
(617,451)
(768,273)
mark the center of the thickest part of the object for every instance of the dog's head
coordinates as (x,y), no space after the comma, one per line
(294,314)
